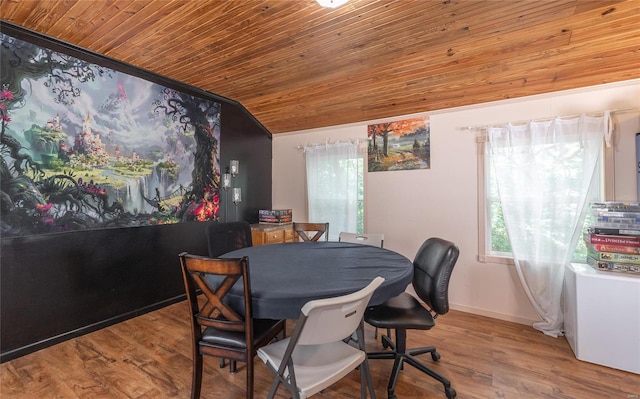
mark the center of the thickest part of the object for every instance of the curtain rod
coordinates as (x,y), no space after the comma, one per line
(328,142)
(611,112)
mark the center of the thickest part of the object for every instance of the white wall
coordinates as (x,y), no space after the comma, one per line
(410,206)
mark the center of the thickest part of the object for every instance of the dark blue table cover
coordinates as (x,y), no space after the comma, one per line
(286,276)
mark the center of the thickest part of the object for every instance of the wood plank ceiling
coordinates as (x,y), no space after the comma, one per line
(295,65)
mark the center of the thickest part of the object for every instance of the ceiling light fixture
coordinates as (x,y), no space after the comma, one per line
(331,3)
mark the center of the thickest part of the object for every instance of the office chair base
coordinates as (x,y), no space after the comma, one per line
(400,355)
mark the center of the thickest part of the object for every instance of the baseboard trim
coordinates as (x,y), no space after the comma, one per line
(494,315)
(36,346)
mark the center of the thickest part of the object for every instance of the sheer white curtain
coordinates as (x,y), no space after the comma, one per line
(332,186)
(545,171)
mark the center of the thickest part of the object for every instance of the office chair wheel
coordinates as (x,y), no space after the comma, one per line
(435,356)
(450,392)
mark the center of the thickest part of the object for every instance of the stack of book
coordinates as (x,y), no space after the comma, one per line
(274,216)
(613,239)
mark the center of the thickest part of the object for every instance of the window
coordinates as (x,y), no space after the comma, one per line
(547,173)
(494,245)
(335,186)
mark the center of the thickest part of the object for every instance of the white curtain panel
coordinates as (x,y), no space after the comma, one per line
(545,171)
(332,186)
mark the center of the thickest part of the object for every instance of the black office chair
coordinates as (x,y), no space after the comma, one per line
(227,237)
(432,268)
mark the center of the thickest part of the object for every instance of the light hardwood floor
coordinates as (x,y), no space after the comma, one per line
(149,357)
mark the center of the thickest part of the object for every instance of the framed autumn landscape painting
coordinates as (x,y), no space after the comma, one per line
(399,145)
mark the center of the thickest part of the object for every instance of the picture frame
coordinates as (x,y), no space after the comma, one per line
(399,145)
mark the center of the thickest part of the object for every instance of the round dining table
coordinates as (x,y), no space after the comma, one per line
(286,276)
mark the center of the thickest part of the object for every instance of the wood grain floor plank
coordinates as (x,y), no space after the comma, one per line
(149,357)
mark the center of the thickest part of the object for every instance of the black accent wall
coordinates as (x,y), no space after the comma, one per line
(58,286)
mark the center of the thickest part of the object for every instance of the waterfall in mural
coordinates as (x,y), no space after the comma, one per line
(146,194)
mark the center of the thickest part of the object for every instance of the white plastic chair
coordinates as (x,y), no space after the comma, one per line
(376,240)
(315,356)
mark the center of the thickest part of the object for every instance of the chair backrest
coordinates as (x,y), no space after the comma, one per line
(376,240)
(333,319)
(226,237)
(432,268)
(214,312)
(303,229)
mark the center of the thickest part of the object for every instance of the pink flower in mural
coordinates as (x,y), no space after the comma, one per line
(208,207)
(6,95)
(44,208)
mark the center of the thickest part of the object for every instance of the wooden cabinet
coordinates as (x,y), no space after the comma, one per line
(262,234)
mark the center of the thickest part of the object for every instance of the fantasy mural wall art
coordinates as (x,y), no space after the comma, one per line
(88,147)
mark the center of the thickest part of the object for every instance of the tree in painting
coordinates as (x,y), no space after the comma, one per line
(84,147)
(203,118)
(23,61)
(399,145)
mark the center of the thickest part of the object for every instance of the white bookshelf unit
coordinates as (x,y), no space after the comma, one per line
(602,316)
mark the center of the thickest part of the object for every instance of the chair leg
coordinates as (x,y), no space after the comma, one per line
(400,349)
(395,373)
(274,386)
(232,365)
(249,394)
(400,354)
(366,381)
(420,351)
(363,382)
(447,384)
(375,333)
(385,342)
(196,380)
(388,343)
(283,333)
(384,354)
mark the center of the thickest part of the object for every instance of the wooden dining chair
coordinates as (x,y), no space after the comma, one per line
(223,238)
(304,231)
(217,328)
